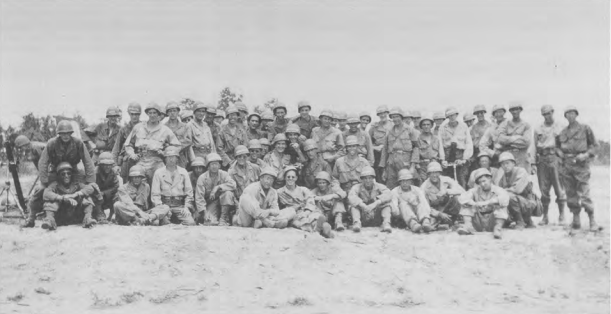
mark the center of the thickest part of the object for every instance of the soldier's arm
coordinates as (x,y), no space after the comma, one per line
(415,150)
(228,183)
(123,196)
(43,166)
(113,189)
(369,147)
(468,153)
(220,148)
(212,141)
(156,189)
(88,163)
(354,199)
(172,140)
(520,183)
(442,152)
(486,141)
(86,189)
(523,140)
(504,139)
(455,188)
(385,194)
(50,195)
(335,172)
(130,142)
(116,149)
(384,154)
(200,195)
(466,199)
(274,209)
(591,141)
(189,203)
(502,198)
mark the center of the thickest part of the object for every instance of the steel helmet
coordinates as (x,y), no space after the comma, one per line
(335,115)
(515,105)
(267,115)
(153,106)
(478,173)
(342,115)
(326,113)
(416,114)
(279,137)
(382,109)
(479,108)
(506,156)
(302,104)
(468,117)
(198,162)
(546,109)
(351,140)
(439,116)
(231,110)
(241,106)
(368,172)
(290,168)
(113,111)
(213,157)
(186,114)
(405,174)
(254,114)
(264,141)
(254,144)
(483,154)
(278,106)
(134,108)
(21,141)
(323,175)
(407,113)
(569,109)
(171,105)
(136,171)
(364,114)
(241,150)
(498,107)
(200,106)
(211,111)
(433,167)
(309,145)
(450,111)
(267,170)
(171,151)
(220,113)
(64,126)
(426,117)
(106,158)
(292,128)
(63,166)
(396,111)
(353,120)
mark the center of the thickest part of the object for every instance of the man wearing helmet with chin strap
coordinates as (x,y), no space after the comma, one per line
(442,195)
(410,205)
(430,149)
(477,131)
(214,194)
(108,184)
(313,166)
(200,135)
(132,206)
(180,129)
(330,140)
(230,136)
(278,159)
(516,182)
(329,199)
(516,136)
(304,120)
(370,203)
(106,133)
(458,147)
(123,164)
(280,122)
(400,150)
(365,148)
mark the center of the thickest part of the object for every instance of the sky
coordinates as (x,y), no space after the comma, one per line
(68,56)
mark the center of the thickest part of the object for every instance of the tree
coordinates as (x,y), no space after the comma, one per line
(187,104)
(267,105)
(228,98)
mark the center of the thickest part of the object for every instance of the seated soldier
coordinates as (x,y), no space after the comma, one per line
(198,167)
(371,200)
(409,203)
(66,201)
(278,158)
(484,159)
(255,149)
(243,172)
(329,199)
(132,205)
(259,204)
(295,143)
(348,168)
(214,193)
(313,165)
(307,216)
(516,182)
(484,207)
(108,182)
(172,190)
(442,194)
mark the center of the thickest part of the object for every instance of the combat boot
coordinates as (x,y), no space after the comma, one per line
(386,227)
(234,220)
(520,225)
(49,222)
(323,227)
(224,220)
(467,228)
(561,206)
(356,226)
(258,224)
(498,226)
(414,226)
(339,225)
(545,220)
(426,225)
(30,222)
(529,222)
(88,222)
(356,219)
(593,224)
(576,224)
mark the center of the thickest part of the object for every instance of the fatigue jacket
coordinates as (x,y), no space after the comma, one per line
(301,198)
(306,125)
(516,182)
(118,151)
(348,170)
(267,201)
(477,194)
(136,196)
(477,132)
(401,140)
(244,176)
(278,162)
(430,147)
(180,130)
(206,183)
(311,168)
(193,178)
(278,126)
(108,183)
(167,186)
(330,142)
(255,134)
(365,146)
(55,191)
(360,196)
(332,189)
(459,134)
(545,138)
(72,152)
(227,142)
(144,138)
(576,139)
(471,183)
(378,131)
(490,138)
(514,135)
(399,196)
(106,136)
(36,152)
(433,191)
(200,138)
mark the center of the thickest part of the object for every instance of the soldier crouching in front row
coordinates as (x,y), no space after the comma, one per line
(409,203)
(370,202)
(132,205)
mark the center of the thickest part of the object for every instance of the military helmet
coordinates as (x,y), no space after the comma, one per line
(219,113)
(63,166)
(468,117)
(21,141)
(290,168)
(267,115)
(365,114)
(171,151)
(213,157)
(212,111)
(407,113)
(506,156)
(342,115)
(279,137)
(186,114)
(303,104)
(425,118)
(254,114)
(569,109)
(368,172)
(515,105)
(382,109)
(498,107)
(351,140)
(450,111)
(267,170)
(136,171)
(479,108)
(405,174)
(438,116)
(241,106)
(200,106)
(153,106)
(106,158)
(546,109)
(396,111)
(64,126)
(433,167)
(134,108)
(292,128)
(326,113)
(483,154)
(353,120)
(171,105)
(323,175)
(232,110)
(198,162)
(254,144)
(113,111)
(241,150)
(478,173)
(416,114)
(278,106)
(309,145)
(264,141)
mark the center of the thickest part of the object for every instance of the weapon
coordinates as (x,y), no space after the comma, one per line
(34,185)
(452,158)
(12,168)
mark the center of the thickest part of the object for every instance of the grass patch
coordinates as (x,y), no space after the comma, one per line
(100,302)
(131,297)
(300,301)
(16,298)
(165,298)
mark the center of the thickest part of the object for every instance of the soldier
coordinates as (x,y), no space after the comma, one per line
(365,119)
(108,183)
(330,140)
(407,117)
(259,204)
(132,205)
(314,165)
(295,144)
(442,195)
(218,116)
(430,146)
(264,147)
(243,172)
(575,145)
(347,169)
(305,121)
(200,135)
(365,148)
(370,202)
(484,207)
(106,133)
(342,121)
(280,123)
(410,205)
(490,138)
(477,132)
(255,149)
(400,150)
(267,118)
(301,200)
(180,130)
(254,131)
(145,144)
(416,116)
(329,199)
(230,136)
(515,136)
(484,160)
(468,119)
(548,164)
(458,147)
(123,164)
(186,116)
(66,201)
(335,119)
(515,181)
(438,118)
(171,191)
(277,159)
(210,118)
(243,113)
(198,167)
(34,151)
(214,193)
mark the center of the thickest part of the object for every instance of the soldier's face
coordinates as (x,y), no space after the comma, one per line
(453,117)
(264,150)
(469,122)
(199,114)
(405,184)
(290,177)
(266,181)
(209,117)
(571,116)
(65,176)
(434,176)
(106,169)
(325,121)
(353,127)
(65,136)
(304,111)
(114,120)
(232,118)
(515,113)
(407,119)
(134,117)
(508,165)
(499,114)
(416,121)
(365,121)
(481,115)
(136,181)
(484,162)
(549,117)
(293,137)
(198,170)
(352,149)
(322,185)
(280,113)
(426,125)
(383,115)
(243,115)
(186,119)
(280,146)
(173,113)
(214,166)
(311,154)
(485,183)
(171,161)
(334,121)
(254,154)
(438,122)
(396,119)
(368,181)
(154,116)
(342,123)
(254,122)
(242,159)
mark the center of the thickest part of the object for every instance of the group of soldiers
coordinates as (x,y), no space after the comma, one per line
(318,174)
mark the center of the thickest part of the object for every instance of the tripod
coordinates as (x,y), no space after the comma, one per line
(9,192)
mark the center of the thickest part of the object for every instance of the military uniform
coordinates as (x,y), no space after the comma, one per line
(306,125)
(72,152)
(521,201)
(471,183)
(244,176)
(430,150)
(411,204)
(365,149)
(228,140)
(278,162)
(105,138)
(66,214)
(108,185)
(118,150)
(460,135)
(180,130)
(477,131)
(498,211)
(490,138)
(548,164)
(360,196)
(330,208)
(516,137)
(330,143)
(347,171)
(256,204)
(377,133)
(255,134)
(399,152)
(440,201)
(132,203)
(201,138)
(224,196)
(172,192)
(311,168)
(301,200)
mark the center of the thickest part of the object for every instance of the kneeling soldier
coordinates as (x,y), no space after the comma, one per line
(108,182)
(371,200)
(515,181)
(214,192)
(409,203)
(329,199)
(442,194)
(67,200)
(132,206)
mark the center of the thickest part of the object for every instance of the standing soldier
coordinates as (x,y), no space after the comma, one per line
(416,116)
(365,119)
(118,151)
(407,117)
(214,192)
(243,113)
(377,133)
(313,166)
(210,114)
(200,135)
(243,172)
(146,142)
(281,122)
(254,127)
(295,144)
(34,149)
(342,121)
(267,118)
(330,140)
(108,184)
(180,130)
(576,145)
(230,136)
(186,116)
(132,205)
(458,147)
(477,132)
(370,202)
(430,148)
(305,121)
(438,118)
(365,148)
(548,164)
(515,136)
(106,133)
(490,138)
(218,116)
(468,119)
(400,150)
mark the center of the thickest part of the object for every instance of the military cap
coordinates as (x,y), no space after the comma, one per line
(21,141)
(267,170)
(546,109)
(171,105)
(113,111)
(231,110)
(381,109)
(309,145)
(368,172)
(264,141)
(153,106)
(351,140)
(136,171)
(468,117)
(498,107)
(438,116)
(254,114)
(186,113)
(254,144)
(267,115)
(326,113)
(396,111)
(64,126)
(278,106)
(405,174)
(479,108)
(134,108)
(364,114)
(323,175)
(515,105)
(425,118)
(303,104)
(106,158)
(353,119)
(241,106)
(450,111)
(171,151)
(279,137)
(241,150)
(505,156)
(64,165)
(569,109)
(198,162)
(433,167)
(213,157)
(478,173)
(293,128)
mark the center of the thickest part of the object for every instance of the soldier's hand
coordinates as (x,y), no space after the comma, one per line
(582,157)
(384,175)
(295,146)
(445,218)
(134,157)
(71,201)
(444,163)
(117,170)
(534,169)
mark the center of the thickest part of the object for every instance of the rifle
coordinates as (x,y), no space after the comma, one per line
(452,158)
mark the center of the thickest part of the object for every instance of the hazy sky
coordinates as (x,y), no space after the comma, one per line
(63,56)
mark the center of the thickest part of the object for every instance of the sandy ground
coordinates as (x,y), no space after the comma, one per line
(171,269)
